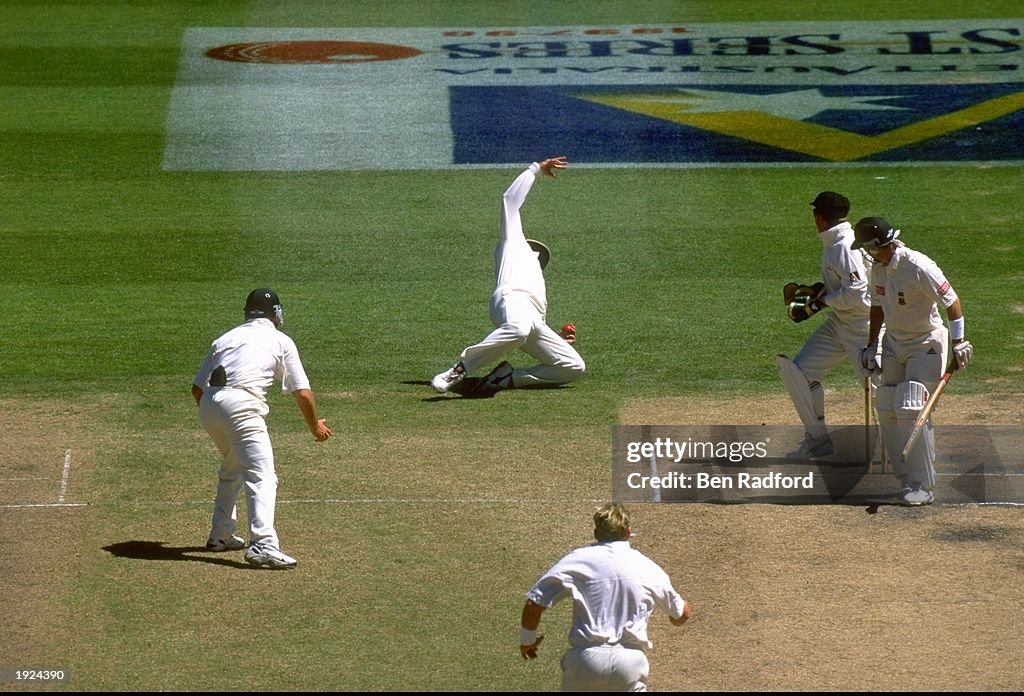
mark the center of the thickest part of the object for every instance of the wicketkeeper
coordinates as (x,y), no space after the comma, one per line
(843,289)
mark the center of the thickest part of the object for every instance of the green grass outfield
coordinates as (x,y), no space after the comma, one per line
(116,275)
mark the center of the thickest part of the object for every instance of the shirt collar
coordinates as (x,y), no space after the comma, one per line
(835,233)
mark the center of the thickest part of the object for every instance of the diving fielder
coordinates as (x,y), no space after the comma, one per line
(231,392)
(519,307)
(614,591)
(906,289)
(844,331)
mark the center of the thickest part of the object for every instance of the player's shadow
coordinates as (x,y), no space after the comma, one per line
(159,551)
(467,389)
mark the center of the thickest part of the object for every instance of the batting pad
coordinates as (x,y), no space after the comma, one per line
(809,403)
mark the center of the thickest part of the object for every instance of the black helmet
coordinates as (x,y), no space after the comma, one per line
(873,232)
(263,303)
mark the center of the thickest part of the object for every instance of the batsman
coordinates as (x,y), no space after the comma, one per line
(843,290)
(907,288)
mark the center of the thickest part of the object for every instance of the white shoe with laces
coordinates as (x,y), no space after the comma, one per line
(267,557)
(449,378)
(917,495)
(233,543)
(497,379)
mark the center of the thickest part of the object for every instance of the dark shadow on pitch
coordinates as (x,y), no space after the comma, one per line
(468,388)
(158,551)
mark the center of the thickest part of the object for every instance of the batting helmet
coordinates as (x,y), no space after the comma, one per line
(263,303)
(873,232)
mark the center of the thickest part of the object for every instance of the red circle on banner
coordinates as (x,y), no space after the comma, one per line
(310,52)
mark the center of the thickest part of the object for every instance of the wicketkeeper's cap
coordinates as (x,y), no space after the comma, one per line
(831,205)
(543,253)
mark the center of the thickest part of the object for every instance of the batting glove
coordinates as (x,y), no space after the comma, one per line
(963,351)
(869,360)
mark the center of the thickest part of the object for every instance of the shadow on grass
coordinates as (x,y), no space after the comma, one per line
(158,551)
(467,389)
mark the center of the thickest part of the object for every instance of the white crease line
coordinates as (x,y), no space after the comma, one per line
(482,501)
(64,476)
(43,505)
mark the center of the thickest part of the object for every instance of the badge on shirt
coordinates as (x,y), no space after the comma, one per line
(879,289)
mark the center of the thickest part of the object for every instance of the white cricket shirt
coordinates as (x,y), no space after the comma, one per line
(909,291)
(253,355)
(614,591)
(844,275)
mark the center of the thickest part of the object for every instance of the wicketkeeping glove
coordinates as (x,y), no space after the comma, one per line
(791,291)
(803,301)
(803,308)
(963,351)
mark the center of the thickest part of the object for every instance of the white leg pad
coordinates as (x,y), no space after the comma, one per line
(892,434)
(809,401)
(910,399)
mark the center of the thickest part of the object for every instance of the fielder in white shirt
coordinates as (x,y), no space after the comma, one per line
(843,333)
(614,591)
(906,289)
(518,308)
(231,392)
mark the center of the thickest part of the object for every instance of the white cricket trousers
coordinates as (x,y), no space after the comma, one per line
(518,324)
(604,668)
(234,418)
(904,362)
(828,344)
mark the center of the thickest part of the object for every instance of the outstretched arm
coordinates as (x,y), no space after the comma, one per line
(548,166)
(515,195)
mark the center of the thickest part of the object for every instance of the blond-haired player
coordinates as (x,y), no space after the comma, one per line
(614,591)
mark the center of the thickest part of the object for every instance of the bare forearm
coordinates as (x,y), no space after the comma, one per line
(307,405)
(877,319)
(531,615)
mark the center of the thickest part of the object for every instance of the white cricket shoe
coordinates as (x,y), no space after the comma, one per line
(449,378)
(812,447)
(267,557)
(234,543)
(497,379)
(917,495)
